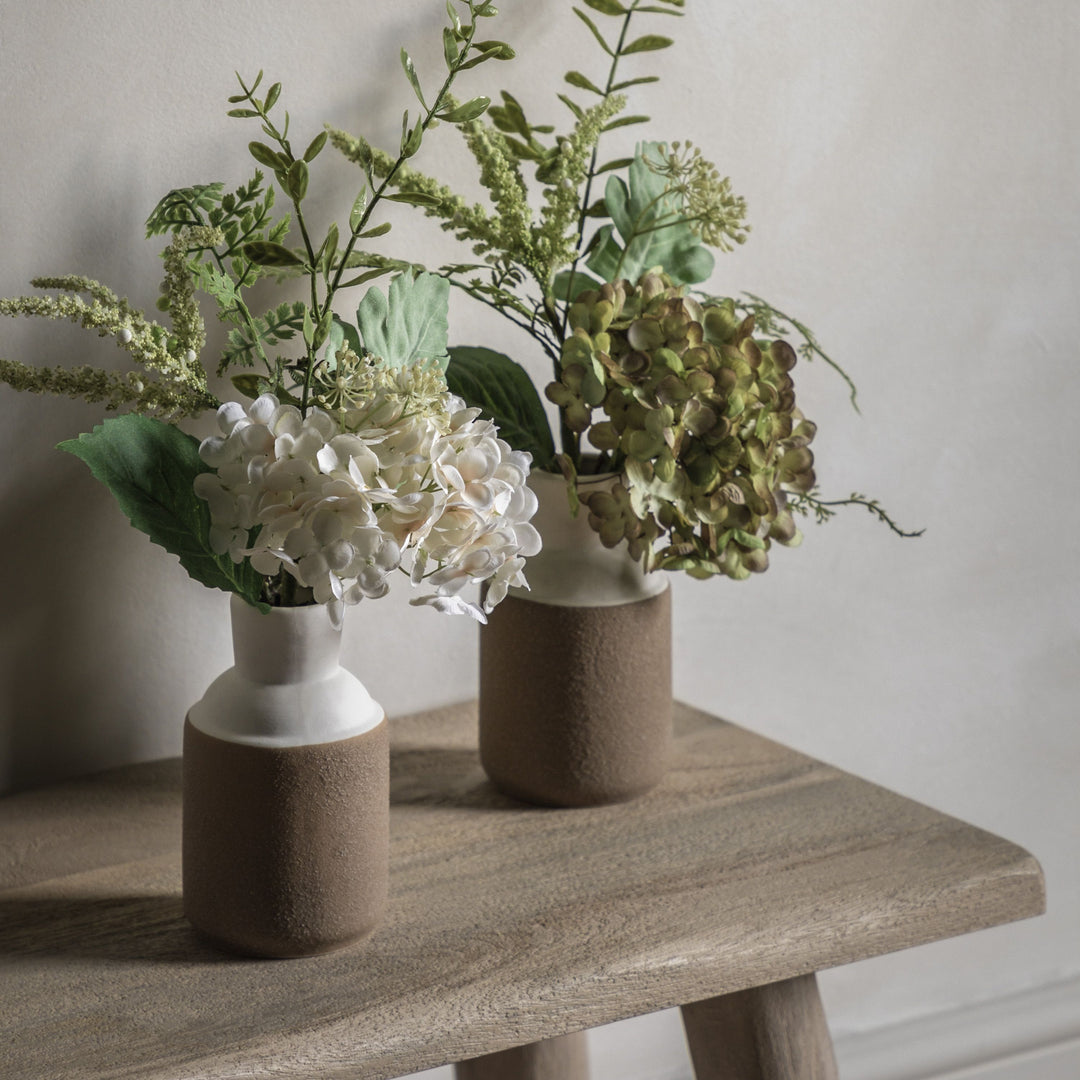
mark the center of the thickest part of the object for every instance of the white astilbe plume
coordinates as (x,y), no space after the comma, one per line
(395,480)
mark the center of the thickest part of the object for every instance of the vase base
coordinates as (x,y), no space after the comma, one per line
(285,848)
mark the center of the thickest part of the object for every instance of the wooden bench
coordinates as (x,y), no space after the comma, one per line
(509,927)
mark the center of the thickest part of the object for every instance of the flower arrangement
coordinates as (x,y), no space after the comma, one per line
(352,460)
(687,397)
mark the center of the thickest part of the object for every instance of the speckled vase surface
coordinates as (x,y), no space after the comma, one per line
(286,793)
(575,675)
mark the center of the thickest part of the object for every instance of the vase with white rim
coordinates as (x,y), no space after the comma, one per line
(575,673)
(286,792)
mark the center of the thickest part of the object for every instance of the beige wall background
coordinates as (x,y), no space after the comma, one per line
(911,170)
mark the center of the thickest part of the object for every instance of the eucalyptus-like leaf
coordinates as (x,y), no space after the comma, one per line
(470,110)
(315,146)
(266,253)
(572,105)
(249,384)
(595,32)
(410,137)
(410,73)
(309,327)
(607,7)
(322,331)
(273,94)
(242,113)
(368,275)
(582,82)
(647,43)
(455,19)
(265,156)
(496,50)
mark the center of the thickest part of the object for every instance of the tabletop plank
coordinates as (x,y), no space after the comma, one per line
(507,924)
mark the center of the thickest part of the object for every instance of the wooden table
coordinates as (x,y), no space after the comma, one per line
(750,868)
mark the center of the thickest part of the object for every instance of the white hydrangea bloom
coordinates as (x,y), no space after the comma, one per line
(404,477)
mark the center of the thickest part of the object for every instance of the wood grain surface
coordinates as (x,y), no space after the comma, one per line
(749,864)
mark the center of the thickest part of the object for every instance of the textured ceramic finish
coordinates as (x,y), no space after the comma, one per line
(286,687)
(286,793)
(285,849)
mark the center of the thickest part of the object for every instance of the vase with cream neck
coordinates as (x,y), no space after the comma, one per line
(575,674)
(286,793)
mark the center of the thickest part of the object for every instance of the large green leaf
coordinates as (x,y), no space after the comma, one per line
(506,394)
(636,209)
(150,467)
(410,326)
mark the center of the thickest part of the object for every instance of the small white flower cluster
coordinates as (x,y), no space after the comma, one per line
(434,492)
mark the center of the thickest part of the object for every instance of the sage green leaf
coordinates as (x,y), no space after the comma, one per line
(266,253)
(596,33)
(243,114)
(639,81)
(264,155)
(271,97)
(639,208)
(582,82)
(505,393)
(356,214)
(624,121)
(297,179)
(411,326)
(606,7)
(150,467)
(450,47)
(368,275)
(470,110)
(413,198)
(410,74)
(647,43)
(572,105)
(249,384)
(378,230)
(618,163)
(315,146)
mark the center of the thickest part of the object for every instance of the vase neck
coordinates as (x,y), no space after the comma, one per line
(287,645)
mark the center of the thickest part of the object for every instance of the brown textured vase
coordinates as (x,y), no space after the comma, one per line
(575,676)
(286,794)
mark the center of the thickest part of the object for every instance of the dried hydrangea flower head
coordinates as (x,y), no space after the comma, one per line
(700,418)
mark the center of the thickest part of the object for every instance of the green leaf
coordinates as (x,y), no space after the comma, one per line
(640,81)
(378,230)
(297,179)
(636,209)
(573,106)
(470,110)
(606,7)
(150,467)
(413,198)
(506,394)
(648,43)
(410,73)
(265,253)
(625,121)
(356,214)
(619,163)
(243,114)
(315,146)
(274,93)
(562,282)
(450,47)
(250,385)
(265,156)
(410,137)
(575,78)
(411,326)
(596,33)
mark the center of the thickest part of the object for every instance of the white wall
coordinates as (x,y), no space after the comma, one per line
(911,171)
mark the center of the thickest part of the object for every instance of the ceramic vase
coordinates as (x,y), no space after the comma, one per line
(575,674)
(286,793)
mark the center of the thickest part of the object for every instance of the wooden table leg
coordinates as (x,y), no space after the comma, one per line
(774,1032)
(563,1058)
